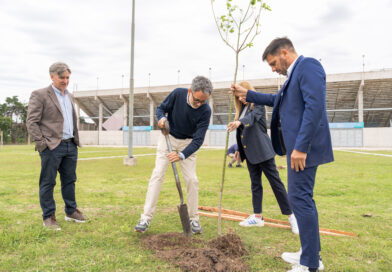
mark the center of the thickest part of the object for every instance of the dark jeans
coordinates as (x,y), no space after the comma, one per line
(272,174)
(62,159)
(300,187)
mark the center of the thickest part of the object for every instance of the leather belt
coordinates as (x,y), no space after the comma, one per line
(67,140)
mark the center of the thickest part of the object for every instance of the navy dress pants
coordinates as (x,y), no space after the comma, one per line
(269,169)
(300,191)
(62,159)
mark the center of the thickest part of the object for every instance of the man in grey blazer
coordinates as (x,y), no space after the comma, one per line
(52,124)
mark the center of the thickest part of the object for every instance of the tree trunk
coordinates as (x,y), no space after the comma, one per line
(226,147)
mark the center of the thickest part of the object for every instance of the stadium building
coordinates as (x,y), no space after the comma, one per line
(359,107)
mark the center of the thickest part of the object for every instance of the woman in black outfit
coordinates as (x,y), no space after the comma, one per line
(254,146)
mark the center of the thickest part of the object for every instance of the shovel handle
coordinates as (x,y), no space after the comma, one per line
(176,177)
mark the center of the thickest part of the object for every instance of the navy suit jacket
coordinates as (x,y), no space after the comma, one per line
(300,108)
(254,144)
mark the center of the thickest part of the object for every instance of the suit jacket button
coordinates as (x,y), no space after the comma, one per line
(242,136)
(244,146)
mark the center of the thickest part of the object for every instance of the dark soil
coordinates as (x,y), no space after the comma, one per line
(221,254)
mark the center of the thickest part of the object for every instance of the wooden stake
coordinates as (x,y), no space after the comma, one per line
(239,216)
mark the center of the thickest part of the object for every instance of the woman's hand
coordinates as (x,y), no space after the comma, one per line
(233,125)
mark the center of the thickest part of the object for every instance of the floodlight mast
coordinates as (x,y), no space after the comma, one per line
(131,85)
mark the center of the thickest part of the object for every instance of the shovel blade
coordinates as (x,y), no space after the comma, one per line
(184,216)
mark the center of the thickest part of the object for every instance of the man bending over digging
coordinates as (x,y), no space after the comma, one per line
(188,115)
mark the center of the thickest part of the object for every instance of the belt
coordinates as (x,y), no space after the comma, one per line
(67,140)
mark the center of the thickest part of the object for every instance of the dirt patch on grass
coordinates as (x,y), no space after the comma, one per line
(217,255)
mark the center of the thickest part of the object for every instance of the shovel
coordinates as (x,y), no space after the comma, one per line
(182,208)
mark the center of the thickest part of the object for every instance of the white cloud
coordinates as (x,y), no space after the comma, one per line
(93,37)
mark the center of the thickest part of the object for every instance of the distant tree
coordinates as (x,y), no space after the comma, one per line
(5,127)
(238,28)
(16,111)
(3,109)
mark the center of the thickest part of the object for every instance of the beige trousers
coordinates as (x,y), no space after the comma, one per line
(188,170)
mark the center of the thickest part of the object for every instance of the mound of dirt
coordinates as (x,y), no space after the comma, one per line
(161,242)
(230,244)
(217,255)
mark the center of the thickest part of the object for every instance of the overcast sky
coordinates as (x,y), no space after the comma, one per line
(93,37)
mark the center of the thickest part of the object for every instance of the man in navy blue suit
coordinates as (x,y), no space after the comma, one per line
(299,128)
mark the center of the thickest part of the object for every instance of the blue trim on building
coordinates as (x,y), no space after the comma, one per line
(217,127)
(137,128)
(347,125)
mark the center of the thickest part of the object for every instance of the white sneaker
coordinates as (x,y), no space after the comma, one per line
(142,225)
(293,223)
(252,221)
(298,268)
(294,257)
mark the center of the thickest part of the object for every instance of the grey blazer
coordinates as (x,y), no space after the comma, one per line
(45,119)
(254,144)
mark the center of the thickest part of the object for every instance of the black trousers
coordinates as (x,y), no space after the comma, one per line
(62,159)
(269,169)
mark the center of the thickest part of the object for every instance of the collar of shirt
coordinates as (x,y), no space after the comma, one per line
(58,91)
(290,69)
(244,110)
(187,99)
(66,111)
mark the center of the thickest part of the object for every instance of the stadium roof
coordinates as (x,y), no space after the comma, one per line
(342,102)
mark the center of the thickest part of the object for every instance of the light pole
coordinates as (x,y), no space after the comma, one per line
(122,81)
(178,77)
(131,160)
(363,63)
(243,72)
(360,92)
(209,73)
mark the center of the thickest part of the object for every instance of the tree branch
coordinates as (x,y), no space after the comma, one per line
(255,23)
(219,30)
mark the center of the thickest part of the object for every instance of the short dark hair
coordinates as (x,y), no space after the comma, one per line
(274,47)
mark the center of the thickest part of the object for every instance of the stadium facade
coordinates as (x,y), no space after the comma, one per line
(359,107)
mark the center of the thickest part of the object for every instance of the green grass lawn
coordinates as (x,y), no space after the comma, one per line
(112,196)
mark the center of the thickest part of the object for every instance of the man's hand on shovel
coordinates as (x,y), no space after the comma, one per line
(163,124)
(173,156)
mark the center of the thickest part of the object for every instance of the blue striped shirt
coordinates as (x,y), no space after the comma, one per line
(67,111)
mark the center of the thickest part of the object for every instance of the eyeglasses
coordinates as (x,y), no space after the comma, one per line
(197,101)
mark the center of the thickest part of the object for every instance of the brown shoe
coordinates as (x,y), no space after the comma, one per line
(51,223)
(76,216)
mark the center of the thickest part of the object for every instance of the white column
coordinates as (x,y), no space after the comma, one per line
(125,120)
(360,102)
(151,113)
(211,102)
(100,117)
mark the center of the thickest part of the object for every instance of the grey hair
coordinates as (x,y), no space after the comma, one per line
(58,68)
(201,83)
